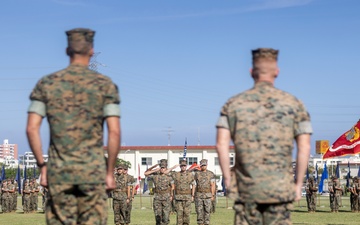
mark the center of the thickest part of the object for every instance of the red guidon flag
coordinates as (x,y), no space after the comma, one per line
(346,144)
(138,182)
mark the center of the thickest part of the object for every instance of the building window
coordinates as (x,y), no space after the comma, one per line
(146,161)
(217,161)
(189,160)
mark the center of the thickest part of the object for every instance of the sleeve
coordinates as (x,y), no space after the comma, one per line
(212,178)
(131,181)
(38,100)
(150,177)
(302,124)
(195,177)
(223,121)
(112,101)
(171,180)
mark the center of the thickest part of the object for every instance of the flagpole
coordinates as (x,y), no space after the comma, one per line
(151,205)
(139,178)
(140,198)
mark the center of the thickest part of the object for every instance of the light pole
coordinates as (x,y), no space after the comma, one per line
(125,154)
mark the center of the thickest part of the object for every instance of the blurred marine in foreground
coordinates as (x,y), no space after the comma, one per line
(76,101)
(263,122)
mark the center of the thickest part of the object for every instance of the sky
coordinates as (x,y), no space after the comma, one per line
(177,62)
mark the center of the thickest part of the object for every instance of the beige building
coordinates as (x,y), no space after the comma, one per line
(8,151)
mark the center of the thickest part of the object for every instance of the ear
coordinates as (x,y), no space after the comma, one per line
(251,72)
(277,72)
(91,53)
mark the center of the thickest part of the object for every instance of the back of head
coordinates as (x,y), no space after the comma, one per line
(264,61)
(80,41)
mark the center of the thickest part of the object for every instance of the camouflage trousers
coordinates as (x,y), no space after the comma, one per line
(128,212)
(336,203)
(26,203)
(34,201)
(162,210)
(14,203)
(120,208)
(44,201)
(31,208)
(183,210)
(311,202)
(354,203)
(203,209)
(262,214)
(76,204)
(6,205)
(331,198)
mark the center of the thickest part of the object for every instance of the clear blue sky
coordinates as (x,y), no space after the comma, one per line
(177,62)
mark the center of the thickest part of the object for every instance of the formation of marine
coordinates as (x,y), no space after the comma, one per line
(335,192)
(29,195)
(179,189)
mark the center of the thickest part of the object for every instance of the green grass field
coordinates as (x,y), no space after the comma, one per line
(142,214)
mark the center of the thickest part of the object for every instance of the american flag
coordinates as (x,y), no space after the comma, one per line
(138,180)
(185,149)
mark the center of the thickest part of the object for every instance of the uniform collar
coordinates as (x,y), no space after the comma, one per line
(262,84)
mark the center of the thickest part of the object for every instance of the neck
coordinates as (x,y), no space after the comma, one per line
(265,79)
(80,60)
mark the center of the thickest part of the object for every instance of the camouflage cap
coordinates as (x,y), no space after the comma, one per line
(80,40)
(183,163)
(120,166)
(332,177)
(126,167)
(163,161)
(355,178)
(203,162)
(265,53)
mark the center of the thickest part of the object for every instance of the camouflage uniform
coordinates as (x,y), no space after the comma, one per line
(162,196)
(6,196)
(131,185)
(183,181)
(32,193)
(263,123)
(15,195)
(331,193)
(26,197)
(10,201)
(45,195)
(120,196)
(311,194)
(203,194)
(337,195)
(355,195)
(76,101)
(213,203)
(35,196)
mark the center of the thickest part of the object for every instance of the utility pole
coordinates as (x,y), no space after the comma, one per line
(198,137)
(169,133)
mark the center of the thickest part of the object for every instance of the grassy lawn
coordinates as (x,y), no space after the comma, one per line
(142,214)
